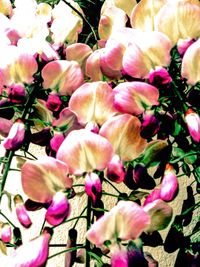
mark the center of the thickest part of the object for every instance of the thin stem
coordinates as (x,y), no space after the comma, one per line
(64,251)
(69,220)
(112,185)
(184,156)
(87,244)
(3,215)
(82,16)
(6,171)
(43,224)
(79,217)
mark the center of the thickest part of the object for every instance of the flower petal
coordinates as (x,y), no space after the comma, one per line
(62,76)
(93,102)
(41,179)
(134,97)
(123,132)
(84,151)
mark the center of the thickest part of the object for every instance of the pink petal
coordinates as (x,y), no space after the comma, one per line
(78,52)
(190,68)
(126,220)
(93,102)
(84,151)
(93,186)
(31,254)
(116,171)
(119,256)
(6,232)
(41,179)
(92,68)
(62,76)
(5,126)
(123,132)
(134,97)
(192,120)
(59,209)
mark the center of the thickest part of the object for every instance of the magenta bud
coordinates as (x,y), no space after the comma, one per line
(16,136)
(155,194)
(159,76)
(116,170)
(59,209)
(6,232)
(192,120)
(93,186)
(21,212)
(169,185)
(54,102)
(150,126)
(119,257)
(92,126)
(183,45)
(17,93)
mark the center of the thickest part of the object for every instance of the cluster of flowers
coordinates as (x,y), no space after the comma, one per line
(106,113)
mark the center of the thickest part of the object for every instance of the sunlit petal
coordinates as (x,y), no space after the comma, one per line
(135,97)
(41,179)
(123,132)
(84,151)
(93,102)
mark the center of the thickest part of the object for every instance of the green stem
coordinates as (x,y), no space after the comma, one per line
(82,16)
(79,217)
(87,244)
(197,205)
(69,220)
(3,215)
(6,171)
(107,181)
(178,94)
(184,156)
(65,251)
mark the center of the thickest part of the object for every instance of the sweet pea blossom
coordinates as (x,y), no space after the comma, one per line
(135,97)
(127,220)
(192,120)
(123,132)
(115,170)
(63,76)
(5,232)
(85,151)
(190,68)
(21,212)
(93,102)
(93,186)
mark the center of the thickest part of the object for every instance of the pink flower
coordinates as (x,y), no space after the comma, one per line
(150,125)
(85,151)
(6,232)
(16,136)
(169,185)
(16,93)
(54,102)
(155,194)
(119,256)
(59,209)
(192,120)
(31,254)
(115,170)
(159,76)
(183,45)
(21,212)
(42,179)
(127,220)
(93,186)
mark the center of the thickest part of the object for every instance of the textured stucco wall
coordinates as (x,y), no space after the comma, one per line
(13,185)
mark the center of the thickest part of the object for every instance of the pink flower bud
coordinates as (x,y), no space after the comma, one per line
(116,170)
(183,44)
(149,126)
(15,137)
(21,212)
(59,209)
(119,257)
(159,76)
(192,120)
(54,102)
(169,185)
(6,232)
(93,186)
(56,141)
(17,93)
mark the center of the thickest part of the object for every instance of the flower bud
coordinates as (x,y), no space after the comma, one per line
(59,209)
(155,194)
(183,44)
(142,178)
(21,212)
(159,76)
(6,232)
(93,186)
(16,136)
(116,170)
(119,256)
(149,126)
(192,120)
(54,102)
(169,185)
(17,93)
